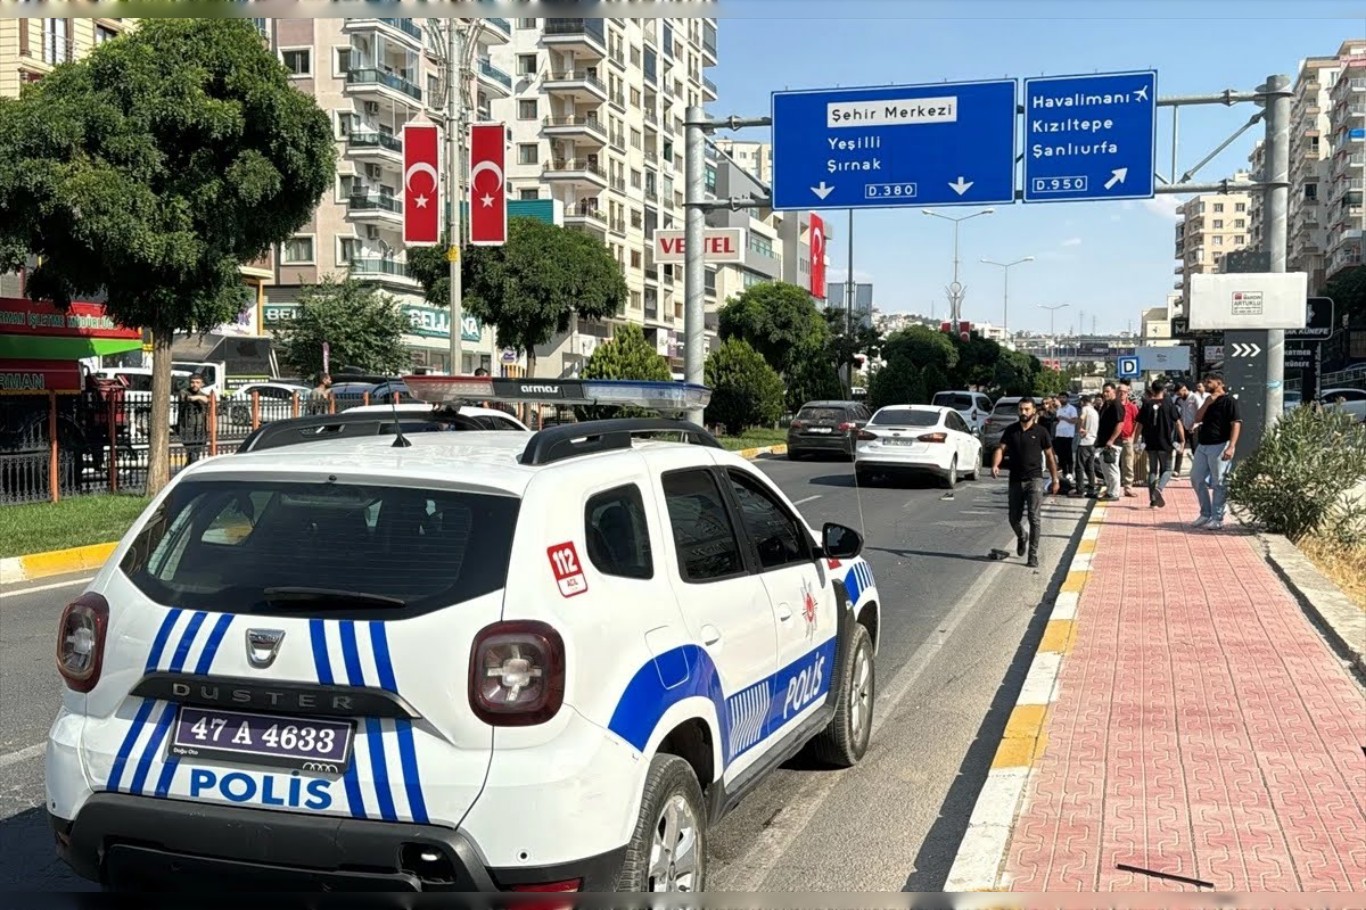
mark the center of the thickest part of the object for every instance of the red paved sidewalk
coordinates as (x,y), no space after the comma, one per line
(1202,728)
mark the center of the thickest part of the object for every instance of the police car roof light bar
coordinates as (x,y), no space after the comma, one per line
(655,396)
(587,438)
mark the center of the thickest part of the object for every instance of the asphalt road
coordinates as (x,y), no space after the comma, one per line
(959,631)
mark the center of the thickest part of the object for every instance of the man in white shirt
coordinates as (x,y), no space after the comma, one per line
(1064,438)
(1088,428)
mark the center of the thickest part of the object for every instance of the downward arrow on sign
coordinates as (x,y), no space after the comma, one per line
(962,186)
(822,191)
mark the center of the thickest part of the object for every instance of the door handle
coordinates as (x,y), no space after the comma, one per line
(710,635)
(784,612)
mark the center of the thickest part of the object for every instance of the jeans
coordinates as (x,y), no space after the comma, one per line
(1027,493)
(1062,446)
(1208,472)
(1159,471)
(1108,470)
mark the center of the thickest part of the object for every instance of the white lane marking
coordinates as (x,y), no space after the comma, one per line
(14,758)
(41,588)
(802,502)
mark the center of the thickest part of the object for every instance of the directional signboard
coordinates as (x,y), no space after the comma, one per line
(1127,367)
(1318,321)
(1090,137)
(889,147)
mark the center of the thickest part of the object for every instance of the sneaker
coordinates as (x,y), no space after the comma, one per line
(1200,522)
(1157,498)
(1215,525)
(1033,562)
(1020,545)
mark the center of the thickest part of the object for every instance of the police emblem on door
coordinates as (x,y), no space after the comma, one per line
(262,646)
(809,609)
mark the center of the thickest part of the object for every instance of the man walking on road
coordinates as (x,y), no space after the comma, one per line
(1107,440)
(1063,440)
(1029,447)
(1160,424)
(1220,425)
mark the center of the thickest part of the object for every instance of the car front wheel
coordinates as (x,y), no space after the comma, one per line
(844,743)
(668,849)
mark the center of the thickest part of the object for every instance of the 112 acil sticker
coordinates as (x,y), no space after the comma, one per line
(564,562)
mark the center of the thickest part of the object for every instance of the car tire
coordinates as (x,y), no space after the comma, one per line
(951,478)
(793,455)
(844,743)
(672,799)
(864,477)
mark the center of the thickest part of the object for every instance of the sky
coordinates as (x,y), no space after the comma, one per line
(1106,260)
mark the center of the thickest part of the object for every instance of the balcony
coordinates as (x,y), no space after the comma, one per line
(586,215)
(581,172)
(651,119)
(497,81)
(618,226)
(495,31)
(708,89)
(404,29)
(374,81)
(587,129)
(375,207)
(580,85)
(585,35)
(708,44)
(383,270)
(619,184)
(372,145)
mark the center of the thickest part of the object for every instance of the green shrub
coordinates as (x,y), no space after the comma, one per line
(898,382)
(745,391)
(1294,483)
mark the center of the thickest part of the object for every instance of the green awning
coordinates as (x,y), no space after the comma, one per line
(46,347)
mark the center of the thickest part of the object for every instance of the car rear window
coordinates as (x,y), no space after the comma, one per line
(1006,409)
(953,400)
(836,415)
(221,545)
(905,417)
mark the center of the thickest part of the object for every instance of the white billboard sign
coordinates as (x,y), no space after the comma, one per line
(719,245)
(1251,300)
(1164,360)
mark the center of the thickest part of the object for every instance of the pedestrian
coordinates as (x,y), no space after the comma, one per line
(192,421)
(1220,423)
(1064,441)
(1160,426)
(1087,427)
(1111,425)
(1126,438)
(1029,448)
(320,402)
(1185,403)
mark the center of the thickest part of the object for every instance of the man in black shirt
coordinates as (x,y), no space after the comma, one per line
(1029,446)
(1107,440)
(1220,423)
(1160,422)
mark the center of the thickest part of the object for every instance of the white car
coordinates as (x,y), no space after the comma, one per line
(1353,401)
(917,438)
(973,407)
(485,661)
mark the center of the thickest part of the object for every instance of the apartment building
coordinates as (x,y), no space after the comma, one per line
(860,308)
(1347,117)
(1211,226)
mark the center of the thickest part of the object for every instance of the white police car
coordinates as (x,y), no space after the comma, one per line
(354,660)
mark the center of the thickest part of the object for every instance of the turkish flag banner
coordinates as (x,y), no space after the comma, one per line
(488,191)
(421,185)
(817,256)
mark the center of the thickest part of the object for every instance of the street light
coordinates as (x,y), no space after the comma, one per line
(1052,311)
(1005,295)
(956,289)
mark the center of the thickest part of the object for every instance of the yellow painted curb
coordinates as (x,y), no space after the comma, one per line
(1024,739)
(1058,636)
(56,562)
(1075,582)
(1086,546)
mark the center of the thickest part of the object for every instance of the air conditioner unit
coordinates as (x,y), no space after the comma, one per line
(374,171)
(372,107)
(371,232)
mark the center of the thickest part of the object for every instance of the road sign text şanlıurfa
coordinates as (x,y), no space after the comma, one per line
(889,147)
(1090,137)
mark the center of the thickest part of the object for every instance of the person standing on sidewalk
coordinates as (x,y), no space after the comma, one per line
(1126,438)
(1029,447)
(1064,439)
(1220,424)
(1185,402)
(192,419)
(1160,425)
(1107,440)
(1088,425)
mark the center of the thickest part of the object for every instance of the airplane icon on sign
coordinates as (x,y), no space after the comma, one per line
(1142,93)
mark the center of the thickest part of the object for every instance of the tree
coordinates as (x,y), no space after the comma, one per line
(150,171)
(777,319)
(362,327)
(745,390)
(921,346)
(898,382)
(813,378)
(1049,381)
(530,288)
(934,380)
(627,356)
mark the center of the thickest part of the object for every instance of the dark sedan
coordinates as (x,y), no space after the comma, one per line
(826,427)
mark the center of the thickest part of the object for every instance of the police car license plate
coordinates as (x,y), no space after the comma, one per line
(281,742)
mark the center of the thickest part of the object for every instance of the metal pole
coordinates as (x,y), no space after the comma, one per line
(849,282)
(956,300)
(1276,206)
(694,267)
(453,196)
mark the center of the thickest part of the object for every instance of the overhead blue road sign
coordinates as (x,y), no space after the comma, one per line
(889,147)
(1127,368)
(1090,137)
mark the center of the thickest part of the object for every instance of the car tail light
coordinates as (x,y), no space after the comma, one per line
(572,884)
(866,435)
(517,674)
(797,424)
(80,641)
(933,437)
(847,426)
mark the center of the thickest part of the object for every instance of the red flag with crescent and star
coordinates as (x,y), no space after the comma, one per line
(421,185)
(488,191)
(817,256)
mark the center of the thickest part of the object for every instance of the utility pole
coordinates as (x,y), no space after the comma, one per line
(849,282)
(956,288)
(454,105)
(1276,195)
(1005,294)
(694,266)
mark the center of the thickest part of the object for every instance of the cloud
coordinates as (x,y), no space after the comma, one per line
(1071,241)
(1165,207)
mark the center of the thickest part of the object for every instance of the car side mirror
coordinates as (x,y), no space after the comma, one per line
(839,542)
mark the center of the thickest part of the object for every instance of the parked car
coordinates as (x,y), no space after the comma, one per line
(974,407)
(826,427)
(1353,401)
(275,401)
(1005,412)
(918,439)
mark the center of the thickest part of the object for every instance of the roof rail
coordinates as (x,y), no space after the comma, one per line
(575,439)
(298,430)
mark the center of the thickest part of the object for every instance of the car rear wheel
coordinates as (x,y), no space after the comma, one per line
(668,849)
(951,478)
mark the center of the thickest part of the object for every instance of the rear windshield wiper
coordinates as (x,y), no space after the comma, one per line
(311,596)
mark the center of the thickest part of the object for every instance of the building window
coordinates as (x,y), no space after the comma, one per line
(1218,224)
(1219,206)
(637,219)
(299,61)
(56,40)
(635,56)
(635,98)
(526,64)
(529,195)
(635,259)
(635,178)
(1218,241)
(341,63)
(1240,239)
(104,33)
(298,250)
(635,139)
(527,109)
(526,23)
(1240,222)
(635,300)
(348,250)
(1238,207)
(528,154)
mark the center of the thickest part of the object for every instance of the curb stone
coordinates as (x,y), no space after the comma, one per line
(34,566)
(980,862)
(1337,617)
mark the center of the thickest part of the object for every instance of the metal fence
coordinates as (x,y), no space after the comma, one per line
(57,446)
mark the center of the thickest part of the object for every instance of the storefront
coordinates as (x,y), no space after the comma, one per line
(41,347)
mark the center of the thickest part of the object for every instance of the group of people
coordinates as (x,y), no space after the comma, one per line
(1099,447)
